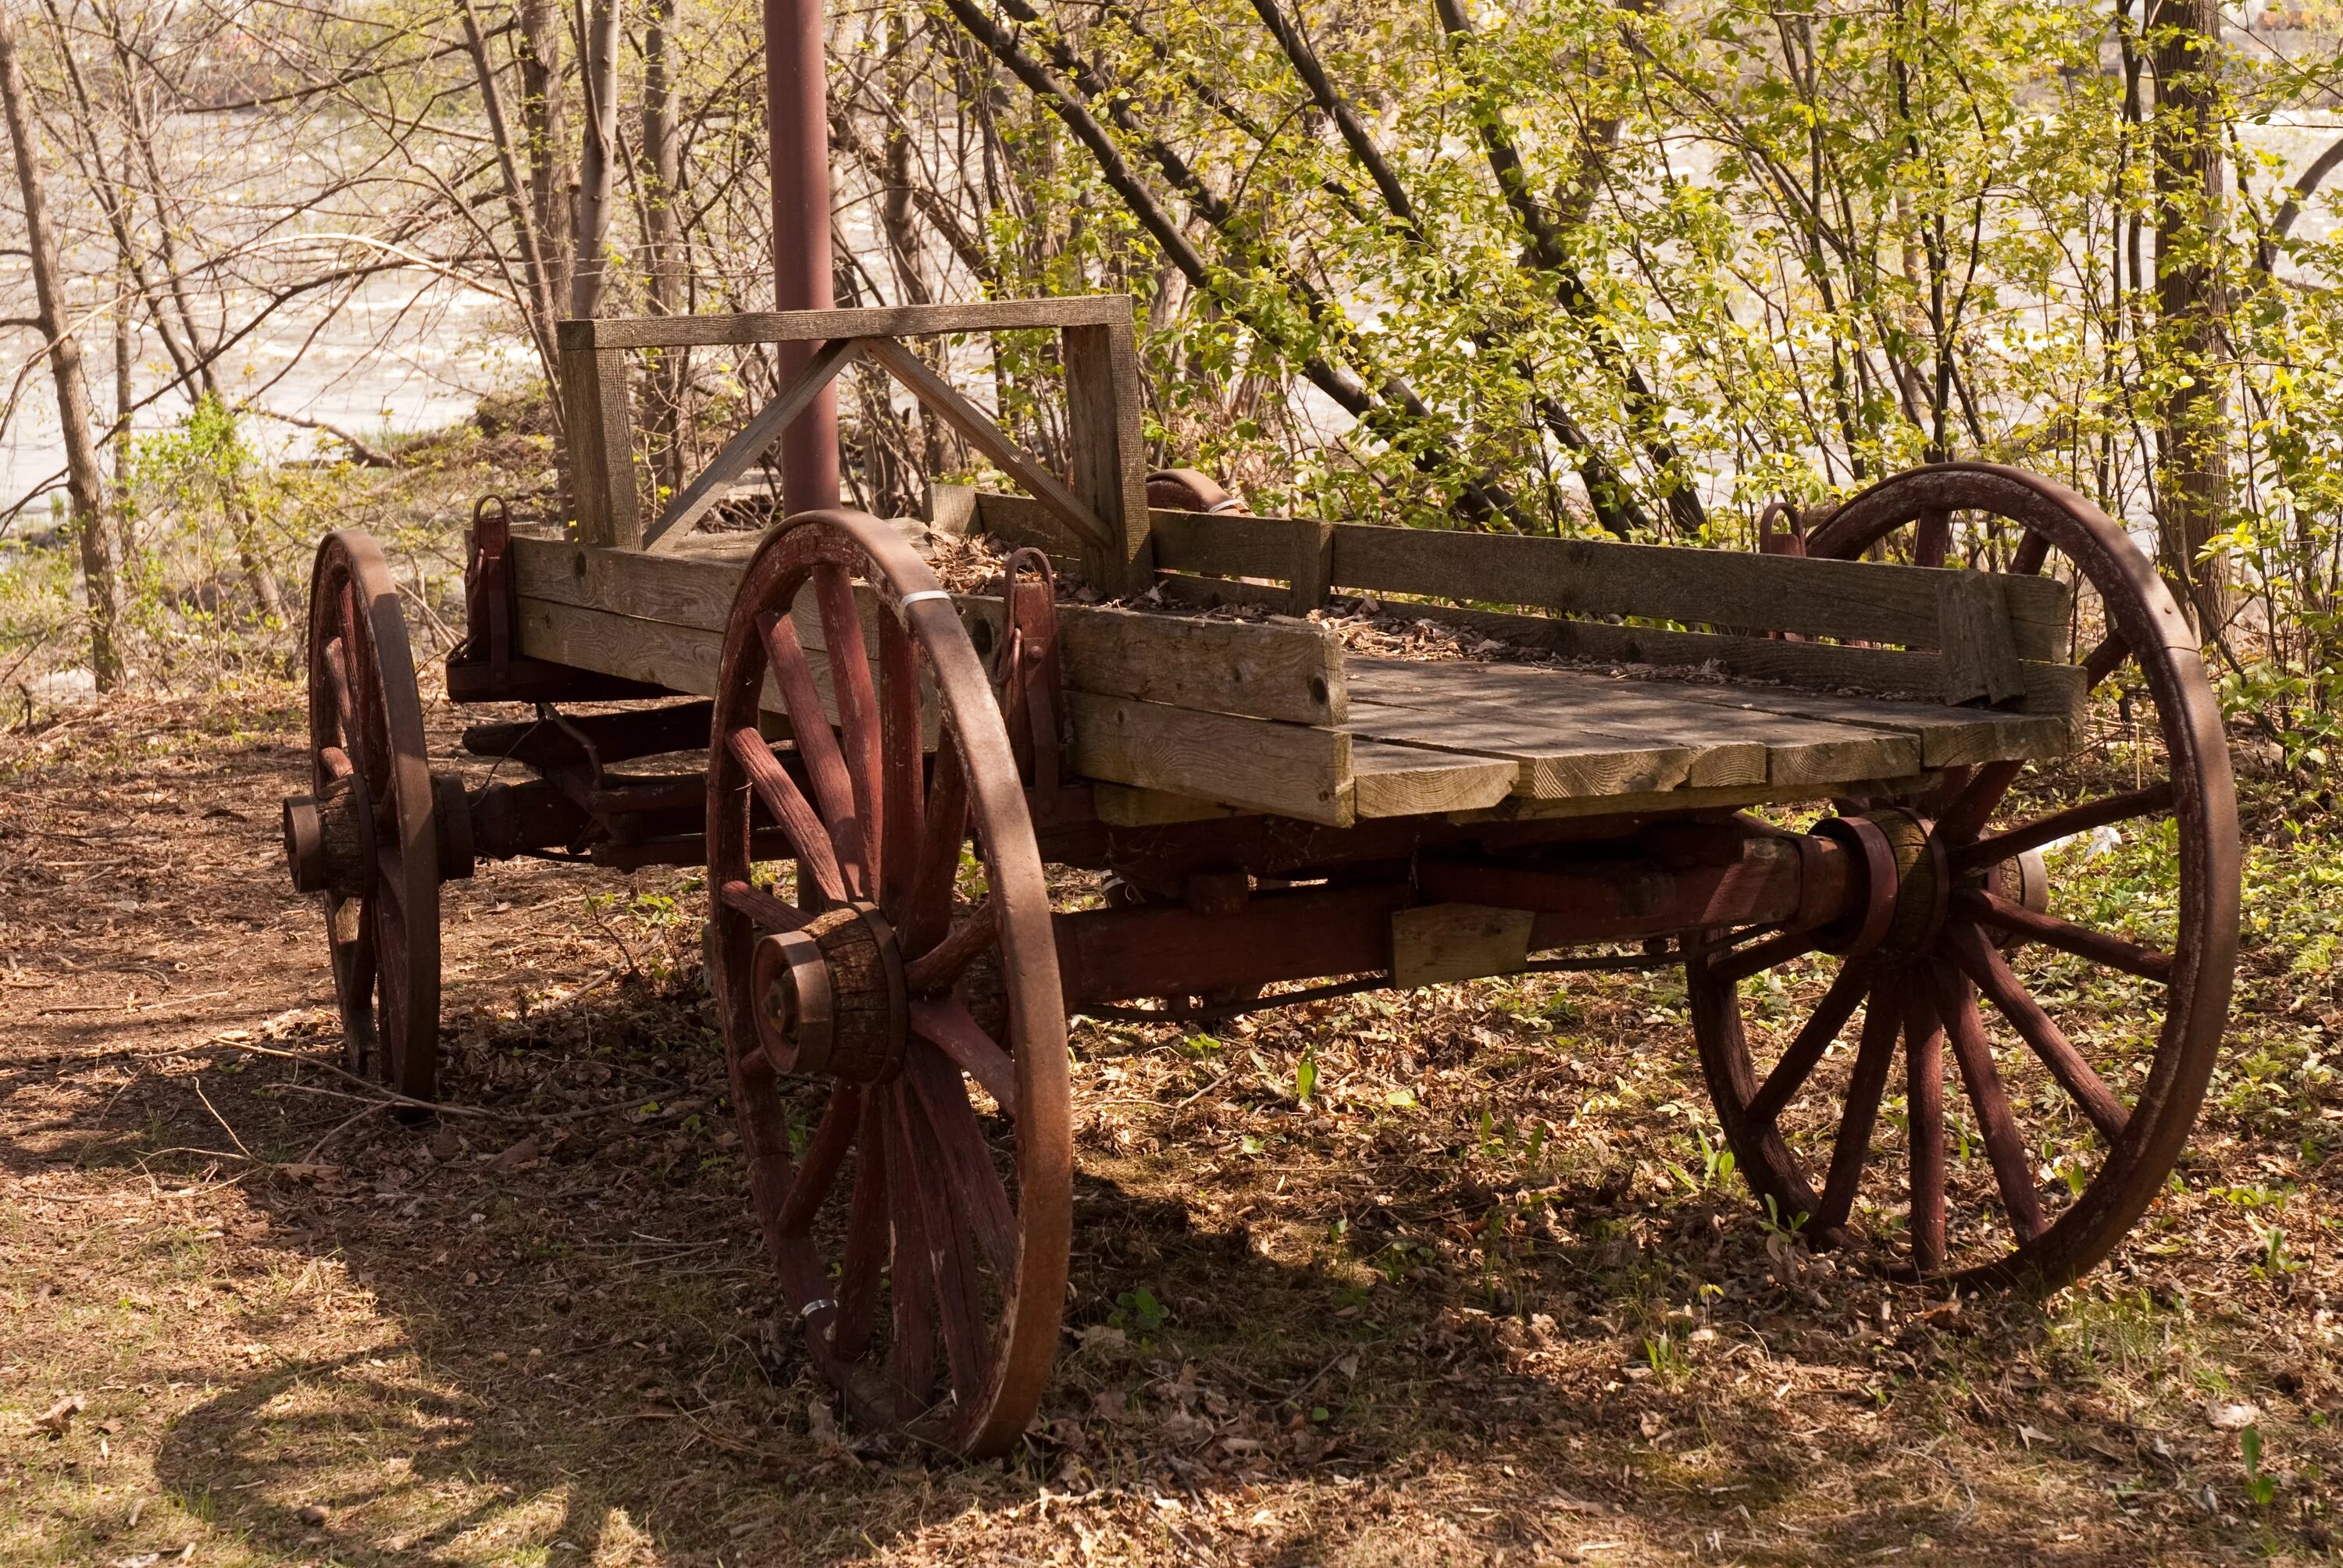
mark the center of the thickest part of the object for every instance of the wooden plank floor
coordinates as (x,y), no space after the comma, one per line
(1586,736)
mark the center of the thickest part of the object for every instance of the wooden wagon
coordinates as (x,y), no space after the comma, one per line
(890,767)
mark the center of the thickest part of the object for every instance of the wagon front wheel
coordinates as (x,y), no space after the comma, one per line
(886,974)
(371,838)
(2025,1054)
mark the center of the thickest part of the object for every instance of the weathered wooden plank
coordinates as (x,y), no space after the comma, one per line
(1435,944)
(1106,434)
(1234,543)
(601,446)
(804,325)
(1290,769)
(1283,670)
(1855,599)
(1571,716)
(2052,691)
(1980,654)
(1550,762)
(1393,780)
(1948,737)
(679,657)
(1286,670)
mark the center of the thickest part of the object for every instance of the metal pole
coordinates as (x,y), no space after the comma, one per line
(797,111)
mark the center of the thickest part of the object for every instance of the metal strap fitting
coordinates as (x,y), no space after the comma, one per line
(909,599)
(819,1304)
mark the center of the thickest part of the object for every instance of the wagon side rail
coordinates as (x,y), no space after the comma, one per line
(1955,636)
(1102,505)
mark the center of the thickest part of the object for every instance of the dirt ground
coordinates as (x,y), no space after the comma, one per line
(1479,1298)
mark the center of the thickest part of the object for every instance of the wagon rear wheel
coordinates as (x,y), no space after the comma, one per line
(2051,1067)
(896,1032)
(367,838)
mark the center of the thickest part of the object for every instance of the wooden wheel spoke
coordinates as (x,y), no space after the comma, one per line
(1923,1092)
(337,681)
(1970,810)
(979,1198)
(946,1023)
(1984,965)
(857,706)
(940,966)
(868,1215)
(825,1153)
(761,906)
(2011,1171)
(336,762)
(928,907)
(900,732)
(2061,824)
(1797,1062)
(782,798)
(817,746)
(1778,949)
(911,1276)
(2100,948)
(950,1269)
(1882,1022)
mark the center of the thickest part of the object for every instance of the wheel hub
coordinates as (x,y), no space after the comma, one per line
(330,839)
(830,998)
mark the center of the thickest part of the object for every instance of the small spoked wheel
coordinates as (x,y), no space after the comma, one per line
(895,1029)
(2050,1065)
(367,838)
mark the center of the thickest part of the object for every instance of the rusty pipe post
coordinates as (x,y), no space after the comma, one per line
(797,116)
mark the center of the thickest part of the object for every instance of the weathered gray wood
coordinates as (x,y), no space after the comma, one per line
(1285,669)
(1435,944)
(679,657)
(1855,599)
(1948,737)
(976,427)
(1980,655)
(1234,543)
(1288,770)
(1393,780)
(601,446)
(951,509)
(751,443)
(2052,691)
(1311,571)
(803,325)
(1107,433)
(1591,734)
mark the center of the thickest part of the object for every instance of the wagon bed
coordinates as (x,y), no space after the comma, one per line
(1179,717)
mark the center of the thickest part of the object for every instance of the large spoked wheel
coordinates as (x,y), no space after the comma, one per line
(368,838)
(2078,1053)
(896,1031)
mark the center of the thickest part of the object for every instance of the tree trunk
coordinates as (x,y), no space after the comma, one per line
(84,482)
(545,129)
(663,242)
(2193,484)
(125,398)
(597,162)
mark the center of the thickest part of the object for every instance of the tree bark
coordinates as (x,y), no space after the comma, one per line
(2193,486)
(545,130)
(596,161)
(663,241)
(84,483)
